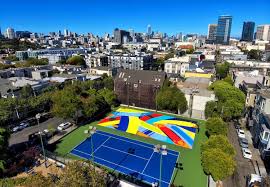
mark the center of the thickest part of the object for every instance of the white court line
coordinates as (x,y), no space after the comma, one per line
(124,152)
(118,166)
(174,169)
(148,162)
(101,144)
(134,142)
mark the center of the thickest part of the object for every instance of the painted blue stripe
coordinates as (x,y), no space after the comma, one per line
(123,125)
(153,120)
(182,134)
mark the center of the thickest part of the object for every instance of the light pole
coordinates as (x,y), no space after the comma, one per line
(162,150)
(41,140)
(90,132)
(156,89)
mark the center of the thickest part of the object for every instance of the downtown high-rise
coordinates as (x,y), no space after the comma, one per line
(224,29)
(263,32)
(212,32)
(248,31)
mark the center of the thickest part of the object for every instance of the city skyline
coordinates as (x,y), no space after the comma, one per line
(36,18)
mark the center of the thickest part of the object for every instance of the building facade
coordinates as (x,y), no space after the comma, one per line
(138,88)
(263,32)
(248,31)
(10,33)
(224,29)
(212,31)
(139,61)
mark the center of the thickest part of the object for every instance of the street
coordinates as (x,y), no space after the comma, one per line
(244,166)
(22,136)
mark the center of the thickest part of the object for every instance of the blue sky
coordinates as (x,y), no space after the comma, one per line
(98,17)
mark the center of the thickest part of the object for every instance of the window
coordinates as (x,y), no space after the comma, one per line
(135,85)
(266,136)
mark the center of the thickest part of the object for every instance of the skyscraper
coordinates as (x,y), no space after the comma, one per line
(66,32)
(212,31)
(248,31)
(263,32)
(119,36)
(10,33)
(224,29)
(149,30)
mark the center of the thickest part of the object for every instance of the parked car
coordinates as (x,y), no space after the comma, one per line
(237,126)
(64,126)
(17,128)
(24,125)
(243,142)
(246,153)
(241,133)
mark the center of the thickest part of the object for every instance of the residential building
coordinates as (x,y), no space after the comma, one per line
(224,29)
(22,55)
(212,31)
(263,32)
(100,70)
(52,58)
(140,61)
(10,33)
(40,74)
(96,60)
(138,88)
(248,31)
(259,123)
(197,95)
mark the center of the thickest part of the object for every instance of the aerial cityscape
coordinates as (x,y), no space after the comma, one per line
(130,94)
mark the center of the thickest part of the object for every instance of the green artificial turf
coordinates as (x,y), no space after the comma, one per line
(191,175)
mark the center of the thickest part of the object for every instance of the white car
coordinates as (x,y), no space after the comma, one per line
(17,128)
(64,126)
(241,133)
(246,153)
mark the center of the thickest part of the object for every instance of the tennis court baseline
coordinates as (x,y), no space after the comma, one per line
(131,157)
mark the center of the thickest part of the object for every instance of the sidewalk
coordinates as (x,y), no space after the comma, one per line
(256,158)
(57,137)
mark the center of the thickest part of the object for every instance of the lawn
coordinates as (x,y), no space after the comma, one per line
(192,174)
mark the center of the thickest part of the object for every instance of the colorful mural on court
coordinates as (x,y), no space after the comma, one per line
(161,127)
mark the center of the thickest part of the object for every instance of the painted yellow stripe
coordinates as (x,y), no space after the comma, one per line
(109,123)
(133,125)
(129,110)
(151,128)
(177,122)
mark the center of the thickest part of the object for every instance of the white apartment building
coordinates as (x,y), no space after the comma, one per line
(139,61)
(263,32)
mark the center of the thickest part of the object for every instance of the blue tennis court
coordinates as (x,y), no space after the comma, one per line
(127,156)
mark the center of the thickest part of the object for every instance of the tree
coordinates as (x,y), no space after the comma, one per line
(218,164)
(78,173)
(37,180)
(172,99)
(66,103)
(11,58)
(216,126)
(27,91)
(231,109)
(255,54)
(222,70)
(4,136)
(108,82)
(190,51)
(228,79)
(211,109)
(219,142)
(76,60)
(109,96)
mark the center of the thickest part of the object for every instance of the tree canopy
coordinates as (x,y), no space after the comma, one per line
(222,70)
(216,126)
(217,163)
(76,60)
(172,99)
(4,136)
(230,104)
(219,142)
